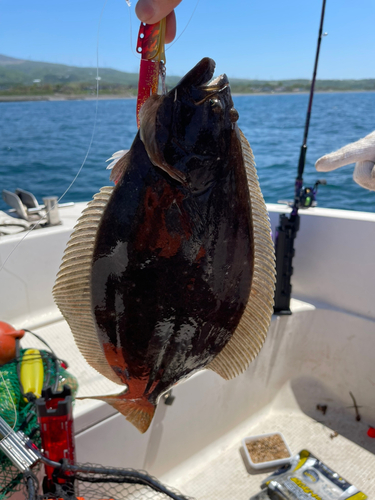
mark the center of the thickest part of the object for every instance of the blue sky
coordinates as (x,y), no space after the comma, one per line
(247,38)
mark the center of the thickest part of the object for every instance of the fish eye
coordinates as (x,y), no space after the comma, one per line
(216,105)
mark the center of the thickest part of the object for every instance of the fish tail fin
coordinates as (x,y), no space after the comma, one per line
(138,412)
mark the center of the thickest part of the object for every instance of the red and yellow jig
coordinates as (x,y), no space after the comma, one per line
(151,43)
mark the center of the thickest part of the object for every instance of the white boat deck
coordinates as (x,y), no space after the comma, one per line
(219,472)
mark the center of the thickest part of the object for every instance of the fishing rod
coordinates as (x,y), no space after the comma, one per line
(304,197)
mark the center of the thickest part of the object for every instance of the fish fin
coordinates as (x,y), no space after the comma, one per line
(119,166)
(72,287)
(149,127)
(251,331)
(138,412)
(115,158)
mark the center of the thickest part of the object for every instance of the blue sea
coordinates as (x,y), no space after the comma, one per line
(43,144)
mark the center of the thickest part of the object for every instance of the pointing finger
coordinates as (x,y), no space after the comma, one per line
(359,151)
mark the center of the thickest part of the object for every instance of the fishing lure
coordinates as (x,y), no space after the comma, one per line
(152,49)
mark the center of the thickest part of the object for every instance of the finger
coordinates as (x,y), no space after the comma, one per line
(364,174)
(170,31)
(153,11)
(362,150)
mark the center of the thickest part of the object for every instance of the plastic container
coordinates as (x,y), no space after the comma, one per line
(268,463)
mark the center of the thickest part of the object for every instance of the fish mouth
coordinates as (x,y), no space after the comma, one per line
(204,72)
(200,78)
(213,87)
(219,83)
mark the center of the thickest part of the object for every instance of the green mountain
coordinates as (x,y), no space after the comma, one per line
(31,78)
(19,77)
(26,72)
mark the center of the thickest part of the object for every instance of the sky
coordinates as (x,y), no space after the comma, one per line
(257,39)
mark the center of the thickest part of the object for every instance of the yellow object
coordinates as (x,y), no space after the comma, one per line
(32,372)
(358,496)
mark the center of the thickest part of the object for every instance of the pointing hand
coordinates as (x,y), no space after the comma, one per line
(362,153)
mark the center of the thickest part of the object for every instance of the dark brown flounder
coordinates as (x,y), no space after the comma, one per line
(172,270)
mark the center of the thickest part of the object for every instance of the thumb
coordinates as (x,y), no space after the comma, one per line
(364,174)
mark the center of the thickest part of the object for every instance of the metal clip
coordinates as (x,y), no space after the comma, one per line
(163,73)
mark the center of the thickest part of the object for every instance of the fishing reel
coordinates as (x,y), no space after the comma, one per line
(307,195)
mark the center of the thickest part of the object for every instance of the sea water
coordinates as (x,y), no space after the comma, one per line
(43,144)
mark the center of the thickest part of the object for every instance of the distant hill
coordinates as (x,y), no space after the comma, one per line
(32,78)
(19,72)
(5,60)
(17,76)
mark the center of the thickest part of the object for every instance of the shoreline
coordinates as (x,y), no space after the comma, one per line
(54,98)
(306,92)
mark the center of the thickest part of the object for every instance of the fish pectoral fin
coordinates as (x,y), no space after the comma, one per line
(138,412)
(172,172)
(157,158)
(120,167)
(154,132)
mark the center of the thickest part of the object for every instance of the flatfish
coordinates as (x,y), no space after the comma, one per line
(172,270)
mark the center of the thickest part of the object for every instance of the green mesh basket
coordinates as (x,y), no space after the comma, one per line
(21,414)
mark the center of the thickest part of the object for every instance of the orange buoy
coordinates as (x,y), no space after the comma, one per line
(8,336)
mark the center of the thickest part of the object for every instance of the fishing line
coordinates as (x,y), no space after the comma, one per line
(187,24)
(96,105)
(44,217)
(131,31)
(87,153)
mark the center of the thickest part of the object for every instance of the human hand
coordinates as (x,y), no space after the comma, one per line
(362,153)
(153,11)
